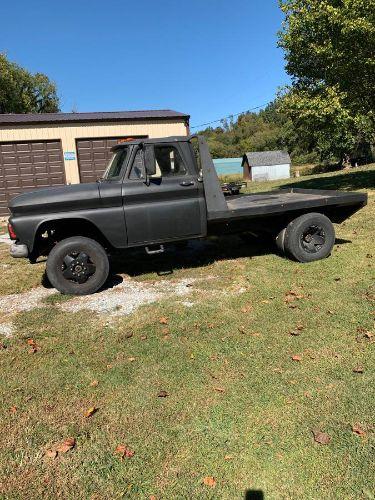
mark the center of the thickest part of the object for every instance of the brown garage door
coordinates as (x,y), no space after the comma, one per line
(94,156)
(25,166)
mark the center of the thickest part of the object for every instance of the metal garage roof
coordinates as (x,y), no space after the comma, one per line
(266,158)
(110,116)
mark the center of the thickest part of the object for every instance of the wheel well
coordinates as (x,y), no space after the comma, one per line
(49,232)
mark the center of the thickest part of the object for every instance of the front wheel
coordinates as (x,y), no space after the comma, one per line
(309,237)
(77,266)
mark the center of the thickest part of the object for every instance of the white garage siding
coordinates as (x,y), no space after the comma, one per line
(271,172)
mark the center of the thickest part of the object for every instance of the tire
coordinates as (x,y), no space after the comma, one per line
(310,237)
(77,266)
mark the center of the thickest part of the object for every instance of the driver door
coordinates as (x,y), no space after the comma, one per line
(168,205)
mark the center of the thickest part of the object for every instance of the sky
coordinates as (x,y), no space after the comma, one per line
(207,58)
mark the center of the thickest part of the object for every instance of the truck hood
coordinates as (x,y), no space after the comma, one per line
(56,199)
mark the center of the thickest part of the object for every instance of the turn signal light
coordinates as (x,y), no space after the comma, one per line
(11,232)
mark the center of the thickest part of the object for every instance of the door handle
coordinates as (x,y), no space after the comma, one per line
(187,183)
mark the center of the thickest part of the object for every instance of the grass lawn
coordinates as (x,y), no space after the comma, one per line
(238,412)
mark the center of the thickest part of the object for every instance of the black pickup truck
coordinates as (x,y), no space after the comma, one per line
(157,191)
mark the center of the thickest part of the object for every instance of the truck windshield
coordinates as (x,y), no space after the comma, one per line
(116,164)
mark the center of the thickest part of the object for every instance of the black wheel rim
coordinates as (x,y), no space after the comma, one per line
(77,267)
(313,239)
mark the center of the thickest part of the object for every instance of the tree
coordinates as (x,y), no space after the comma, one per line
(330,52)
(24,92)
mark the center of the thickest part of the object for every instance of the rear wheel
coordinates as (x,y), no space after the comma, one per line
(309,237)
(77,266)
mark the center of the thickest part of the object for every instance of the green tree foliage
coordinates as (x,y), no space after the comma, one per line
(267,130)
(330,52)
(24,92)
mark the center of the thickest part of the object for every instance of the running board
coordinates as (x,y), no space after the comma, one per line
(158,249)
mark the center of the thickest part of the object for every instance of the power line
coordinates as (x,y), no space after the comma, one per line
(231,116)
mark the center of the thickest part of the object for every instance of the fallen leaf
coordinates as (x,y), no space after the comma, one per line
(165,331)
(143,337)
(321,437)
(51,454)
(247,309)
(163,394)
(163,320)
(131,359)
(209,481)
(94,383)
(124,451)
(66,445)
(219,389)
(128,335)
(90,412)
(228,457)
(357,429)
(296,357)
(33,346)
(265,301)
(153,497)
(358,369)
(291,296)
(241,329)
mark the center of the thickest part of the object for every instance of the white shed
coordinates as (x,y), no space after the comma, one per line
(266,165)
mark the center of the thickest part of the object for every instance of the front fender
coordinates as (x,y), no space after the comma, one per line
(109,222)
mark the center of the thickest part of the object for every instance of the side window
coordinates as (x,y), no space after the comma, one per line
(168,161)
(136,170)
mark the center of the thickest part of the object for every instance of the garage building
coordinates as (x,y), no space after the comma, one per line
(51,149)
(266,165)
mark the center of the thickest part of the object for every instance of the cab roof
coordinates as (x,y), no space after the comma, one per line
(158,140)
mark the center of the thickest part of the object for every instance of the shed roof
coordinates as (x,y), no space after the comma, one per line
(266,158)
(109,116)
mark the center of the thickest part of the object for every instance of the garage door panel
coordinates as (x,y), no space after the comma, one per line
(9,170)
(94,155)
(24,159)
(8,160)
(7,148)
(53,145)
(26,170)
(38,146)
(53,158)
(38,158)
(25,166)
(23,147)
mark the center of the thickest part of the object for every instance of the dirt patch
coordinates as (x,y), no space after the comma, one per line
(128,296)
(6,330)
(122,299)
(25,301)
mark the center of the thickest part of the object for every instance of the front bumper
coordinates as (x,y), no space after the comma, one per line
(19,251)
